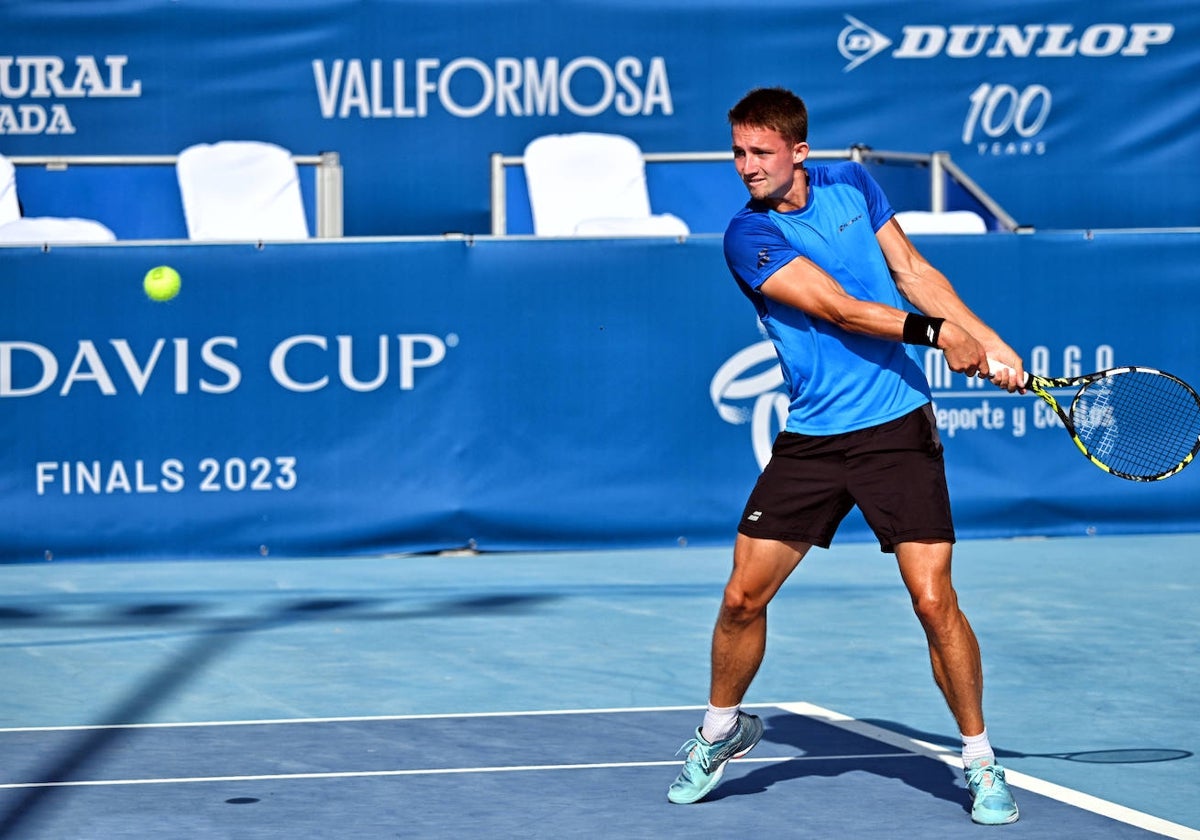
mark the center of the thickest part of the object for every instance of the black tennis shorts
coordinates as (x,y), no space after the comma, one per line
(894,472)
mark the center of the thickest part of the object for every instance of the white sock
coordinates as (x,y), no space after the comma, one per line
(719,723)
(976,747)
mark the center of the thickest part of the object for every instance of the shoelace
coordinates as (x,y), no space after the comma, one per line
(687,747)
(977,776)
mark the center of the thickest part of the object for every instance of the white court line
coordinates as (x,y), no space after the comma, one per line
(351,719)
(1072,797)
(912,747)
(431,771)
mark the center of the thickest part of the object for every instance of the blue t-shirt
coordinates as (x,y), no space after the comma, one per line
(837,381)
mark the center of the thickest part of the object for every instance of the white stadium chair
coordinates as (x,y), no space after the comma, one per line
(589,184)
(240,191)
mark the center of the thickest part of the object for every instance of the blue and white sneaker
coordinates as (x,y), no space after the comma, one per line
(991,801)
(705,762)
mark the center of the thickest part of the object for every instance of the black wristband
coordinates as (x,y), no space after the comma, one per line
(923,330)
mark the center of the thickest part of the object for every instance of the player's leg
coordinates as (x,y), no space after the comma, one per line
(953,648)
(740,637)
(897,476)
(760,567)
(797,502)
(958,672)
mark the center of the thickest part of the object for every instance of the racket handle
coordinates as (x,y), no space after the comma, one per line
(994,365)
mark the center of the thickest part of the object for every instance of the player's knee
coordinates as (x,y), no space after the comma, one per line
(935,609)
(740,606)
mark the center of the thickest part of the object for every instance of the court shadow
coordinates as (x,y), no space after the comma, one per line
(1120,755)
(161,618)
(20,614)
(487,604)
(208,639)
(824,750)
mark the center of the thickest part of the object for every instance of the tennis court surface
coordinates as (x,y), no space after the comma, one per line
(544,695)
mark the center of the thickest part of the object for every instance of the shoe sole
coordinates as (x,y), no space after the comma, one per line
(1016,816)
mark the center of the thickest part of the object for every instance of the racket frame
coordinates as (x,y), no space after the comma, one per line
(1042,386)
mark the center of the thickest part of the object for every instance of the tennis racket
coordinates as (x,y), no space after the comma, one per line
(1137,423)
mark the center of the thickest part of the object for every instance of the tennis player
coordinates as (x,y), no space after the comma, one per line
(828,269)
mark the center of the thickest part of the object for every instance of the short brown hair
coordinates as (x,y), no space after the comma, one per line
(774,108)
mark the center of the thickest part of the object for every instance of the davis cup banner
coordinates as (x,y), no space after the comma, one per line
(1075,115)
(331,398)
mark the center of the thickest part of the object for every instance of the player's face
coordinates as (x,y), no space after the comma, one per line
(768,166)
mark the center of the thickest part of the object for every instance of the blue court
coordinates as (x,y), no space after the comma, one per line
(544,695)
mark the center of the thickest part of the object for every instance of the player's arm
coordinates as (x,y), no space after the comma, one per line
(803,285)
(963,333)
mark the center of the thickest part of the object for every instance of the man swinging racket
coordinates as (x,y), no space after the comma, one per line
(829,271)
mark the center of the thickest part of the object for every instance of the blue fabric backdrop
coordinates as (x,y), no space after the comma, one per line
(1073,115)
(333,397)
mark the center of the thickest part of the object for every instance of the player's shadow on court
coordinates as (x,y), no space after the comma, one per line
(828,751)
(1122,755)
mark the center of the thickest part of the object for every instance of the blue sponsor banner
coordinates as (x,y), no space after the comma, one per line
(391,396)
(1073,116)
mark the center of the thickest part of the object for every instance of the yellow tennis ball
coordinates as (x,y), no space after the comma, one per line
(161,283)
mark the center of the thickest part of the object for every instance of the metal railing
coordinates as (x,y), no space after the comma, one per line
(941,167)
(328,182)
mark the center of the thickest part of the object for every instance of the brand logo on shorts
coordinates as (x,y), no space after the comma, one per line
(754,516)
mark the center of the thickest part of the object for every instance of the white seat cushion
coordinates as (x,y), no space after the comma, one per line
(41,229)
(950,221)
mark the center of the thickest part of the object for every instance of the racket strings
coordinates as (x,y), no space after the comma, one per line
(1139,423)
